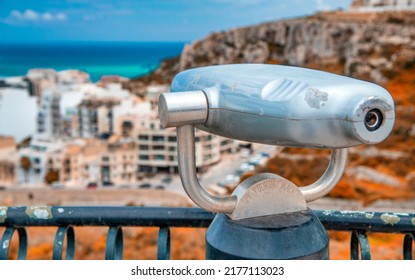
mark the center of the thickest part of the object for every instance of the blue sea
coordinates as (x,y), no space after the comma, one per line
(127,59)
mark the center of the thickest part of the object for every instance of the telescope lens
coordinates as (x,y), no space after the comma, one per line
(373,119)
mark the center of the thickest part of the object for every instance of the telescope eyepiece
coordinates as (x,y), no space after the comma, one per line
(373,119)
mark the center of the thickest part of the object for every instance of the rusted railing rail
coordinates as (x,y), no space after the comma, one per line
(65,218)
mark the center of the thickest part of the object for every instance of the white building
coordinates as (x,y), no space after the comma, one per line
(40,153)
(96,111)
(71,77)
(128,116)
(82,110)
(49,117)
(382,5)
(40,80)
(153,92)
(18,111)
(69,102)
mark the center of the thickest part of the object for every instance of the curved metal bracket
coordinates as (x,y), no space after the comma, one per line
(330,177)
(227,204)
(188,175)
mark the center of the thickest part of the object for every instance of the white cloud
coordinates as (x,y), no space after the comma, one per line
(31,15)
(240,2)
(47,16)
(61,16)
(89,17)
(321,5)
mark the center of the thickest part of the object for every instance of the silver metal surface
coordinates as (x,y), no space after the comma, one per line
(188,175)
(181,108)
(266,194)
(289,106)
(330,178)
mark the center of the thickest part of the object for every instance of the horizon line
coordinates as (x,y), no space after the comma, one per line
(87,41)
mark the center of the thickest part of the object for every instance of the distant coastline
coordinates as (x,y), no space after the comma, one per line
(127,59)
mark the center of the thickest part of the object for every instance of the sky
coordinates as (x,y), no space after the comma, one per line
(38,21)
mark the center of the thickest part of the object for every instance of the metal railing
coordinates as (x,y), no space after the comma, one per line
(17,219)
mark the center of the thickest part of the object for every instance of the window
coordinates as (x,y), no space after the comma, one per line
(143,147)
(207,157)
(172,139)
(159,157)
(158,138)
(142,137)
(158,147)
(143,157)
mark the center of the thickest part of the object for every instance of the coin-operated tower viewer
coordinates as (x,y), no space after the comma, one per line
(266,216)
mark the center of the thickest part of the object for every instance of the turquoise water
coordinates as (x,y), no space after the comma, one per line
(127,59)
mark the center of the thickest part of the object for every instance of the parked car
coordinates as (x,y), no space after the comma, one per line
(221,184)
(107,184)
(160,187)
(167,179)
(257,160)
(231,180)
(245,153)
(247,167)
(58,185)
(145,186)
(92,185)
(239,173)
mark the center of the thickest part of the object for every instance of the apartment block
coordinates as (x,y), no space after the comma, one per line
(81,162)
(157,147)
(119,164)
(97,109)
(49,116)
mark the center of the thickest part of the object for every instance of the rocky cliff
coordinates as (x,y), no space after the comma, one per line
(368,46)
(371,46)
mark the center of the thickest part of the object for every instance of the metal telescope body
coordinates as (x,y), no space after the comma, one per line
(279,105)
